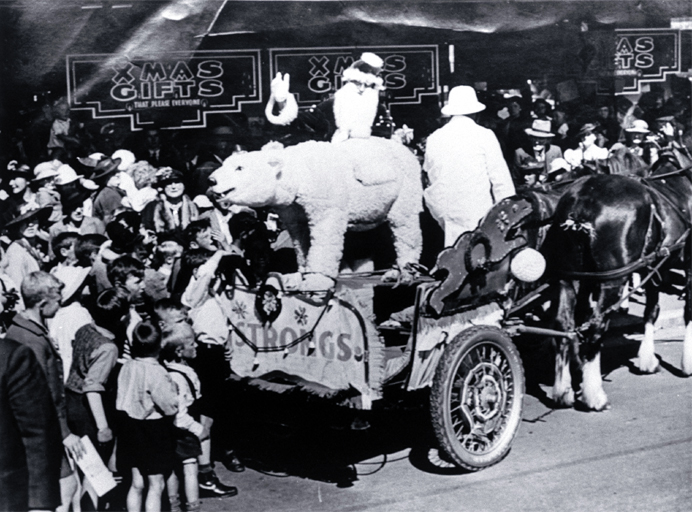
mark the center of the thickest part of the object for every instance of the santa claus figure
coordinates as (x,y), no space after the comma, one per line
(349,114)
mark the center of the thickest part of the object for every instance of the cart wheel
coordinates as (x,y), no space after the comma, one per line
(476,397)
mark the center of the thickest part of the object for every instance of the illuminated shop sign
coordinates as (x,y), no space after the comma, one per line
(645,56)
(409,72)
(174,89)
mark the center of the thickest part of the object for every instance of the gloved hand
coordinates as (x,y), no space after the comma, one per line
(280,87)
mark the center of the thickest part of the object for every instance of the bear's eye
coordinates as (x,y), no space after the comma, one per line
(239,168)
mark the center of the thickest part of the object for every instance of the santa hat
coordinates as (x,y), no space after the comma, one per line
(365,70)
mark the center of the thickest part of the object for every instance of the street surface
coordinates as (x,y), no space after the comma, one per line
(636,456)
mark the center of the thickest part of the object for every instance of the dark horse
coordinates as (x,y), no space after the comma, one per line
(605,227)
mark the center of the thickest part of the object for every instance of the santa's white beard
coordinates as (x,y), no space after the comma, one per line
(354,112)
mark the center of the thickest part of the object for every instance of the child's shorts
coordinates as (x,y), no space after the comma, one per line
(148,445)
(187,445)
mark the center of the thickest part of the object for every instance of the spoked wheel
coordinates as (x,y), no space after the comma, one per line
(477,397)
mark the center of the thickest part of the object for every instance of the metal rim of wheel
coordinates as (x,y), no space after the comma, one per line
(476,398)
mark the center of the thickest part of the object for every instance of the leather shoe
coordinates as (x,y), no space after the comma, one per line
(232,463)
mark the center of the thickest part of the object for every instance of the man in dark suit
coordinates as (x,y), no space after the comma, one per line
(42,294)
(30,440)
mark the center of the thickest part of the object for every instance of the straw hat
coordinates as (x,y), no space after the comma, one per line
(462,101)
(540,128)
(72,277)
(638,126)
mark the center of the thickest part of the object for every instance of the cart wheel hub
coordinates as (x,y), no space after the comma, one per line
(485,392)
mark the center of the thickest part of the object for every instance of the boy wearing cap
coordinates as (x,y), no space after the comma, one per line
(465,166)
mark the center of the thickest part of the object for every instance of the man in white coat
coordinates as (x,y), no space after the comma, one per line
(465,167)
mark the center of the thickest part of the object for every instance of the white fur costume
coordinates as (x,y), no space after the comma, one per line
(322,189)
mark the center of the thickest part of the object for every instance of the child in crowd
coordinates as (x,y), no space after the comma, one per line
(90,386)
(72,314)
(62,246)
(158,277)
(169,312)
(179,347)
(127,276)
(213,360)
(148,398)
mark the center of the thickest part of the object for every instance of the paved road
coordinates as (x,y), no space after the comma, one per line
(636,456)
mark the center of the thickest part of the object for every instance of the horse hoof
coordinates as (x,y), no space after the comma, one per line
(564,400)
(582,406)
(649,368)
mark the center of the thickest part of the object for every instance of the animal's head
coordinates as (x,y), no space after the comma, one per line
(249,179)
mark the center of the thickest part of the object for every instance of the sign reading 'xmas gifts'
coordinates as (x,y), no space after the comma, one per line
(645,56)
(172,89)
(409,72)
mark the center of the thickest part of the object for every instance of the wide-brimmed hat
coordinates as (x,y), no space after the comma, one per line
(586,129)
(540,128)
(72,196)
(127,158)
(17,170)
(167,175)
(67,175)
(638,126)
(72,277)
(462,100)
(40,214)
(105,169)
(46,169)
(91,160)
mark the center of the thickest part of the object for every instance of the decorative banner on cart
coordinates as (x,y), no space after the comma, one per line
(322,341)
(409,72)
(646,55)
(174,89)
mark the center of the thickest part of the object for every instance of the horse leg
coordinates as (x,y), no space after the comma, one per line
(648,362)
(563,394)
(593,397)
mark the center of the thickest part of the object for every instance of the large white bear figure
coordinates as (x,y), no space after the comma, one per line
(321,189)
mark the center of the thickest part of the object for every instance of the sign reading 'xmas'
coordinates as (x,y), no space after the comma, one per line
(173,89)
(409,72)
(645,56)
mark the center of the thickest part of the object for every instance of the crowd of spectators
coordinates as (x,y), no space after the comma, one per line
(111,254)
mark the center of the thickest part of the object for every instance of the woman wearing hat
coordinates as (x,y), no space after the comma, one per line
(27,252)
(465,166)
(109,198)
(20,197)
(44,189)
(173,210)
(74,218)
(532,162)
(588,150)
